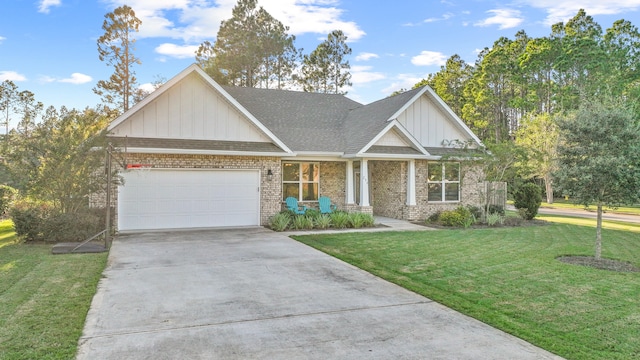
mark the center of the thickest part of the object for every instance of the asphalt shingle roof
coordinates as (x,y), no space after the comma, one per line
(319,122)
(304,121)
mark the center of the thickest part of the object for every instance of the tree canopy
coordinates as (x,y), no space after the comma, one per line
(599,157)
(116,47)
(252,49)
(326,69)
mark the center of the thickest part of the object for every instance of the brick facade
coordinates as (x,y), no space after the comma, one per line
(389,190)
(388,183)
(270,187)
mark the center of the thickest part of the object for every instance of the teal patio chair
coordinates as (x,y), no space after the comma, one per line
(292,204)
(325,205)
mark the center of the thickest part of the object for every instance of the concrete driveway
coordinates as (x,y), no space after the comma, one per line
(254,294)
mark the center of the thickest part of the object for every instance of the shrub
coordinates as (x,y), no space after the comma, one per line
(433,218)
(28,216)
(528,197)
(280,221)
(323,221)
(369,220)
(71,226)
(312,213)
(356,220)
(7,196)
(495,209)
(461,216)
(494,219)
(475,211)
(339,219)
(302,222)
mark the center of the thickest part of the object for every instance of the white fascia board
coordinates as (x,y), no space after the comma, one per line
(390,156)
(203,152)
(454,116)
(395,124)
(409,103)
(313,156)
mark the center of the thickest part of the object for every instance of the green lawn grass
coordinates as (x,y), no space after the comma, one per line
(44,298)
(510,279)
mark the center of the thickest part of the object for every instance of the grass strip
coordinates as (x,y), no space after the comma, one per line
(44,298)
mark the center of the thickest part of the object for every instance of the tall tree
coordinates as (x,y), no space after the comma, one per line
(449,82)
(252,49)
(599,158)
(622,68)
(29,109)
(116,46)
(326,69)
(8,100)
(579,66)
(538,139)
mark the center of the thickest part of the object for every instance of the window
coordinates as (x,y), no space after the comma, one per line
(443,182)
(300,180)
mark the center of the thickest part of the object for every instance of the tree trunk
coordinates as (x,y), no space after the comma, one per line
(599,232)
(548,183)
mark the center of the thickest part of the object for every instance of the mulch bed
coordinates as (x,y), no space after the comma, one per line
(603,264)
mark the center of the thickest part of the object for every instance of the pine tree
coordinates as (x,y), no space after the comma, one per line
(116,47)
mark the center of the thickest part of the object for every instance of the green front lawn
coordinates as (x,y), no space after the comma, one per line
(510,279)
(44,298)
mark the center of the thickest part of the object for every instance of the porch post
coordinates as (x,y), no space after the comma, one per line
(411,182)
(364,183)
(350,194)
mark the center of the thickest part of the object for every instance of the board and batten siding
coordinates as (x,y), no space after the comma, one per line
(391,138)
(190,109)
(429,124)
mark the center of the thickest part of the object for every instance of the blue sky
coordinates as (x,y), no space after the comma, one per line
(49,46)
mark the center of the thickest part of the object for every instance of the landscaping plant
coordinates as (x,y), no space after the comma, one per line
(280,221)
(527,199)
(340,219)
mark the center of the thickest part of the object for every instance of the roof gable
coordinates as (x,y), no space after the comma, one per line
(428,118)
(191,106)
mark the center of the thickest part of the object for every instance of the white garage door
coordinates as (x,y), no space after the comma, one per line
(177,199)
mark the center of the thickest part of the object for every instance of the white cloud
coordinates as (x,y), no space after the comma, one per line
(77,79)
(177,51)
(445,16)
(46,79)
(428,58)
(363,75)
(563,10)
(194,21)
(147,88)
(402,81)
(2,38)
(365,56)
(504,18)
(46,4)
(11,76)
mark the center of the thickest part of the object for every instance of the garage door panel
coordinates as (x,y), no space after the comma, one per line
(167,199)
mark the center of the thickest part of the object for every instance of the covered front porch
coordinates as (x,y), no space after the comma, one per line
(382,188)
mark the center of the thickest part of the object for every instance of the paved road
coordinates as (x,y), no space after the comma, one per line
(588,214)
(256,294)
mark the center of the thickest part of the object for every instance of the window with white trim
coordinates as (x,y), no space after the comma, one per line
(300,180)
(443,182)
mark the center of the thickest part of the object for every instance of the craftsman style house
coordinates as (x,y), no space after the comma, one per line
(202,155)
